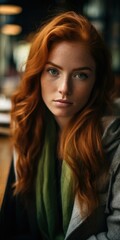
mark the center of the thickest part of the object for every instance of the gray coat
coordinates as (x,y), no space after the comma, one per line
(18,222)
(104,222)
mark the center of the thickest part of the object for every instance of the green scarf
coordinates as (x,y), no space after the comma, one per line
(47,190)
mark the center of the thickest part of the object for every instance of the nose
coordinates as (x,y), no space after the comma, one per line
(65,86)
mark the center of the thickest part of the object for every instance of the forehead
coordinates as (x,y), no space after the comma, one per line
(71,52)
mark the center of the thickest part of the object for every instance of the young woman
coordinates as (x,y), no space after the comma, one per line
(64,181)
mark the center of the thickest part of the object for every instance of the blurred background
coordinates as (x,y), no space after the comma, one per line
(19,19)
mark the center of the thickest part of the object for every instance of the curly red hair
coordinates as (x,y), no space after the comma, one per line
(86,156)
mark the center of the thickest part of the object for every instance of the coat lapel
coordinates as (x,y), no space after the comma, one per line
(76,219)
(82,228)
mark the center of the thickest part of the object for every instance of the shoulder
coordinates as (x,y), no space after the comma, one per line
(111,133)
(111,140)
(115,164)
(8,195)
(111,126)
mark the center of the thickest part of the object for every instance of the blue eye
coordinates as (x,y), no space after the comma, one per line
(53,71)
(80,75)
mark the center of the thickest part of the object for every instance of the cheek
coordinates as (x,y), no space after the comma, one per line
(48,86)
(47,89)
(84,93)
(44,84)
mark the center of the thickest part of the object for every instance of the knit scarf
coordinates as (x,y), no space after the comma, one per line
(48,210)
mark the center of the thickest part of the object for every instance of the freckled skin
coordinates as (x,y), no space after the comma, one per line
(67,80)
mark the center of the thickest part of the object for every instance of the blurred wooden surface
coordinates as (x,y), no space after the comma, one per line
(5,160)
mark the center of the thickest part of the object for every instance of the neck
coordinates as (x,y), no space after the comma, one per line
(62,123)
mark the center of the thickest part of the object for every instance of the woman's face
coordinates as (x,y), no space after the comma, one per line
(67,80)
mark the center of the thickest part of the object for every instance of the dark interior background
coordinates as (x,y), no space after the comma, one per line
(14,49)
(104,14)
(34,11)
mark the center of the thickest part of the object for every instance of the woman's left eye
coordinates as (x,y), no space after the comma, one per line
(80,75)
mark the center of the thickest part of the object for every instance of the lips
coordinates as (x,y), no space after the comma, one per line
(62,103)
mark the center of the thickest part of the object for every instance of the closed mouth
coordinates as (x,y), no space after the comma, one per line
(63,101)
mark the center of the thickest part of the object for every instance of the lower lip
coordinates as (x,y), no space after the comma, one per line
(62,104)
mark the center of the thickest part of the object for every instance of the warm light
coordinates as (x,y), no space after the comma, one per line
(11,29)
(10,9)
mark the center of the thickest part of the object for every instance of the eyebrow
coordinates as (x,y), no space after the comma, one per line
(75,69)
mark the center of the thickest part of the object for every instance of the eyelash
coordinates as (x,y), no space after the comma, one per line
(80,75)
(56,72)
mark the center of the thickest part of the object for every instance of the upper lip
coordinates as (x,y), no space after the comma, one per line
(63,101)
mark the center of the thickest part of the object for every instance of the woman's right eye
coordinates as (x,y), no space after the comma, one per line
(53,71)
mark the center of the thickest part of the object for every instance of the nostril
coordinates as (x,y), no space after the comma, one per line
(65,86)
(65,93)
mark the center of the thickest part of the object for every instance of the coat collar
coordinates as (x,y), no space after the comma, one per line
(76,218)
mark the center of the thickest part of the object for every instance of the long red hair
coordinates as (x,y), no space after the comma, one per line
(80,144)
